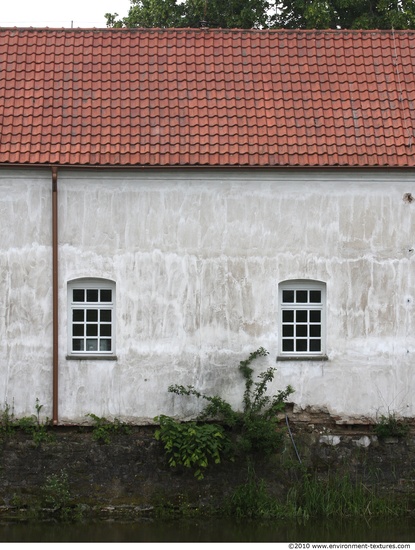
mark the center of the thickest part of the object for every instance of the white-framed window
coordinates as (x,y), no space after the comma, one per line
(91,317)
(302,319)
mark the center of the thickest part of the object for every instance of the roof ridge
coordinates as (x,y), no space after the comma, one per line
(209,30)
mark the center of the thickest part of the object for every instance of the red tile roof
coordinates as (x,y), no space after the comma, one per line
(186,97)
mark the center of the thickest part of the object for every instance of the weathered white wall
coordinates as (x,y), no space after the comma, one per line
(25,289)
(197,256)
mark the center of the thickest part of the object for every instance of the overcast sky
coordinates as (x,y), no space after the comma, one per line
(60,13)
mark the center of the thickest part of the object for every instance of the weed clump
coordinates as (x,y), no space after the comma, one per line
(103,429)
(55,491)
(391,426)
(32,425)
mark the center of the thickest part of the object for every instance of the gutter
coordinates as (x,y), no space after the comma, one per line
(198,167)
(55,318)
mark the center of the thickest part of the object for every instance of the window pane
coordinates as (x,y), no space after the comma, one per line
(92,295)
(105,330)
(105,345)
(288,316)
(315,330)
(106,295)
(91,306)
(315,345)
(288,330)
(315,316)
(288,345)
(78,295)
(77,344)
(288,296)
(77,330)
(92,315)
(105,316)
(301,316)
(92,344)
(302,297)
(92,330)
(315,296)
(301,345)
(78,315)
(301,330)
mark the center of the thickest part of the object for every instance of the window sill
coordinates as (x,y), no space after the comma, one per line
(302,358)
(91,357)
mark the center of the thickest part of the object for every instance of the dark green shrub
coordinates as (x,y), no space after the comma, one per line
(190,444)
(256,426)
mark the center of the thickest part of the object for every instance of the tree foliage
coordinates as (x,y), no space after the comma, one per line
(263,14)
(346,14)
(244,14)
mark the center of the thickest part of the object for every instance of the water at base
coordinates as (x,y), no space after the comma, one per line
(213,530)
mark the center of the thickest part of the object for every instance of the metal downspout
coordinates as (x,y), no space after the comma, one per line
(55,295)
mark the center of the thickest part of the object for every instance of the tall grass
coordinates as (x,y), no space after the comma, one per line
(252,501)
(313,497)
(341,497)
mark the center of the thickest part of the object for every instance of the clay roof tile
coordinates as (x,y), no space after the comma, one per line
(207,97)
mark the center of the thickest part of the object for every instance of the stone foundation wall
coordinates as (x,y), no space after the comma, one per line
(132,469)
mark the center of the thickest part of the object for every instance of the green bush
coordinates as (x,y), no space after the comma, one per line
(256,426)
(190,444)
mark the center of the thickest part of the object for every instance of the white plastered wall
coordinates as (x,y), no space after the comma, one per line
(197,256)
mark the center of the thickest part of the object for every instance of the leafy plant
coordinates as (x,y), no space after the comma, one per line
(190,444)
(391,426)
(7,420)
(104,429)
(31,425)
(55,491)
(257,423)
(39,432)
(56,498)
